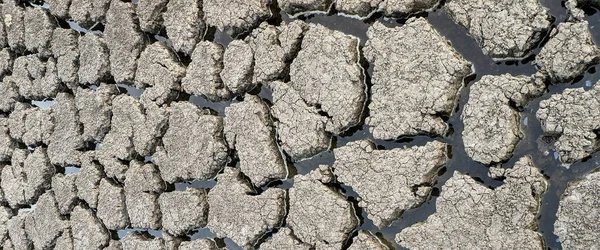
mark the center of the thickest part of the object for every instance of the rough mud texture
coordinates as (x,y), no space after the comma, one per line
(136,240)
(235,16)
(470,215)
(295,7)
(249,130)
(193,146)
(206,244)
(88,231)
(27,178)
(327,74)
(38,31)
(159,69)
(492,125)
(5,215)
(87,13)
(10,94)
(142,188)
(394,8)
(17,232)
(44,224)
(274,49)
(94,65)
(238,213)
(366,240)
(319,214)
(59,8)
(6,64)
(111,206)
(65,192)
(124,40)
(7,143)
(184,211)
(150,13)
(284,239)
(65,141)
(31,125)
(300,128)
(407,98)
(503,29)
(88,179)
(573,116)
(202,76)
(238,63)
(35,79)
(578,214)
(65,241)
(389,182)
(94,108)
(13,15)
(184,24)
(65,49)
(569,52)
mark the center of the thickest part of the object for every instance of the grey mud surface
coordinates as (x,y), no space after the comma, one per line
(106,204)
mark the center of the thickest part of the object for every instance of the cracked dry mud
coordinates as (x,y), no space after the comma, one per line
(299,124)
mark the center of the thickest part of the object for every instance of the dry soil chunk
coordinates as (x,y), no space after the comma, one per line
(470,215)
(87,13)
(238,65)
(193,146)
(159,68)
(66,140)
(88,231)
(238,213)
(505,28)
(124,40)
(65,192)
(366,240)
(416,78)
(184,25)
(28,177)
(13,15)
(65,241)
(184,210)
(5,215)
(142,186)
(274,49)
(492,125)
(136,240)
(94,65)
(7,143)
(206,244)
(150,13)
(327,74)
(94,107)
(17,232)
(111,206)
(319,214)
(389,182)
(250,131)
(297,7)
(31,125)
(10,92)
(88,179)
(284,239)
(59,8)
(38,31)
(36,79)
(203,75)
(569,52)
(66,51)
(573,115)
(44,224)
(235,16)
(396,8)
(579,213)
(300,127)
(6,62)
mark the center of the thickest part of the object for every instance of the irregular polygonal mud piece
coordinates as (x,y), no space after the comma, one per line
(205,244)
(362,8)
(7,143)
(319,214)
(284,239)
(468,214)
(17,232)
(88,179)
(184,25)
(297,7)
(183,210)
(94,107)
(141,177)
(6,64)
(3,42)
(31,125)
(300,128)
(203,74)
(88,231)
(150,13)
(66,140)
(503,29)
(492,125)
(111,206)
(327,74)
(66,51)
(578,214)
(59,8)
(573,116)
(10,92)
(87,13)
(159,68)
(133,128)
(389,182)
(38,31)
(396,8)
(65,241)
(27,178)
(13,15)
(114,245)
(65,192)
(249,130)
(238,64)
(124,40)
(36,79)
(193,146)
(5,215)
(416,78)
(235,16)
(569,52)
(94,65)
(137,240)
(142,186)
(44,224)
(238,213)
(274,49)
(365,240)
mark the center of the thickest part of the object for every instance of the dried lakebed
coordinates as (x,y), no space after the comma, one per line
(147,125)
